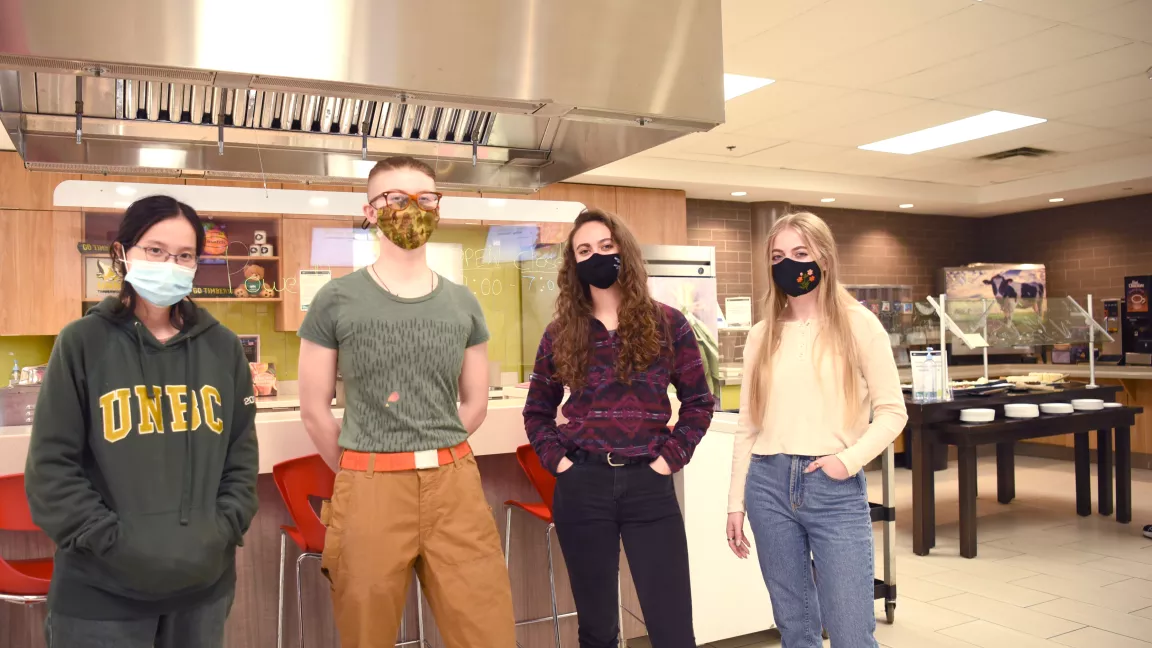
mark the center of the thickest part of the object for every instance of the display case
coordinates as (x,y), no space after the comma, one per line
(893,306)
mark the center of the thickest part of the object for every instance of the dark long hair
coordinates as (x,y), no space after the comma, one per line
(138,219)
(643,330)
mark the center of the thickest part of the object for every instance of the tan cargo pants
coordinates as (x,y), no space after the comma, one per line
(382,524)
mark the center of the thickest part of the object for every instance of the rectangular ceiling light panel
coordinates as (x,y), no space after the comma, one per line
(964,130)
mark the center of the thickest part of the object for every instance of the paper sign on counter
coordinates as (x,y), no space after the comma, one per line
(311,281)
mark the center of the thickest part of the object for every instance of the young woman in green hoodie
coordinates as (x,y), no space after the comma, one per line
(143,461)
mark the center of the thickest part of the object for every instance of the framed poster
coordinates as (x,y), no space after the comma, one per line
(100,280)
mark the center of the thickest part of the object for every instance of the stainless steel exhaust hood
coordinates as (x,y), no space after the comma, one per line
(501,95)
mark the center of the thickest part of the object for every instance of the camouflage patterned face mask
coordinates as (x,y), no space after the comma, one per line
(408,228)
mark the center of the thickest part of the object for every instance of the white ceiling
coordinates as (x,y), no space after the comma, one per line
(851,72)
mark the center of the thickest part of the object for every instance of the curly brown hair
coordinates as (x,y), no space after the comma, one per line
(643,330)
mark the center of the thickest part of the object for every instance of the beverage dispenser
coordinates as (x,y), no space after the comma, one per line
(1137,321)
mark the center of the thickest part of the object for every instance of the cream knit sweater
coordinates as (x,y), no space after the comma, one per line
(806,410)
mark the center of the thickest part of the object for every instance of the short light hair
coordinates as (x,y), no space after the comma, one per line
(402,162)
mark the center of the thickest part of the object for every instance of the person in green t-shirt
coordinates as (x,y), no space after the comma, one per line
(409,345)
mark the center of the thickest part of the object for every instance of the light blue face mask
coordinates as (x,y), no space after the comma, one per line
(160,282)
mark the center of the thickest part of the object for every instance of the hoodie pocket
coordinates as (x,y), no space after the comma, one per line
(156,555)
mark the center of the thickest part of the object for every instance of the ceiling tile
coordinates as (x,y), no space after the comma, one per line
(952,172)
(793,155)
(1019,92)
(717,144)
(909,120)
(778,99)
(824,115)
(1131,147)
(955,35)
(867,163)
(1062,10)
(830,29)
(1131,20)
(744,19)
(1037,51)
(1097,97)
(1090,139)
(1116,116)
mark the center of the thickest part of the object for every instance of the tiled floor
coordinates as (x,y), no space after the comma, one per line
(1044,578)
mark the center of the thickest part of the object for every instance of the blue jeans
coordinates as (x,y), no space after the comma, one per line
(798,518)
(199,627)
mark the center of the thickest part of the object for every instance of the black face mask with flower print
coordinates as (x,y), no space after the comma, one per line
(796,278)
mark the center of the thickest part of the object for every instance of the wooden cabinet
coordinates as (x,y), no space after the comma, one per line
(655,216)
(23,189)
(39,271)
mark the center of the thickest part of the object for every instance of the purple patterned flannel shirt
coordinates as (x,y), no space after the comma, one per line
(627,420)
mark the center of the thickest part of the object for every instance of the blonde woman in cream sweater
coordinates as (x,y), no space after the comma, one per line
(821,398)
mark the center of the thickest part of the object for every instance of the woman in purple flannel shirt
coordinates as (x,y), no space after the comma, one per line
(617,351)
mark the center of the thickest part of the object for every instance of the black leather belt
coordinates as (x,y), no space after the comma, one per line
(609,459)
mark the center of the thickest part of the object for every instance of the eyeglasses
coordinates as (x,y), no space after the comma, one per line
(160,255)
(399,200)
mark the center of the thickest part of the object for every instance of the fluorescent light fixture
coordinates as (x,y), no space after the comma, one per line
(162,158)
(497,203)
(738,84)
(964,130)
(125,190)
(907,206)
(1055,200)
(739,194)
(827,200)
(318,201)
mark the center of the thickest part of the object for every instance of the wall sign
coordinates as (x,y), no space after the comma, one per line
(100,280)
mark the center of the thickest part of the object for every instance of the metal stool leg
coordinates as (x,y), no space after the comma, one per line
(420,613)
(552,582)
(280,605)
(507,535)
(300,598)
(620,609)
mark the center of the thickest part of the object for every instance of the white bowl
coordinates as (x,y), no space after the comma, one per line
(1021,410)
(1088,404)
(1057,408)
(977,415)
(1111,405)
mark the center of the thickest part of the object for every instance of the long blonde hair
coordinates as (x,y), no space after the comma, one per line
(833,303)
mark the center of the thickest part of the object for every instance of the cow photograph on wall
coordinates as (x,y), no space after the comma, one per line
(1012,294)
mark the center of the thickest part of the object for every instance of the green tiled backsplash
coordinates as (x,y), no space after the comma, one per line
(249,318)
(28,350)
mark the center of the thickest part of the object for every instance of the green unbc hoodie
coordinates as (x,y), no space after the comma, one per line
(143,464)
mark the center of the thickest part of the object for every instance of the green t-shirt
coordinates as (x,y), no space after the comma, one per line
(400,360)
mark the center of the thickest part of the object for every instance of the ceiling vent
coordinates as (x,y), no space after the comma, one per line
(1023,151)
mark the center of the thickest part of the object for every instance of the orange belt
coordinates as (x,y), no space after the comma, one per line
(397,461)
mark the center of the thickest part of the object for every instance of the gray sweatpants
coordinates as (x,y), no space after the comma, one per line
(198,627)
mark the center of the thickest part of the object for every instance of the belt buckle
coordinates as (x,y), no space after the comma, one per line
(427,459)
(611,463)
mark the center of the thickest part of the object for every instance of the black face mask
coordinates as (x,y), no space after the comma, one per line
(599,270)
(796,278)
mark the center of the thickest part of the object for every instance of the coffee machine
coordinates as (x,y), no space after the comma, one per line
(1111,353)
(1137,321)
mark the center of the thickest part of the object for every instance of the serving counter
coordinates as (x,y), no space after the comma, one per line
(729,595)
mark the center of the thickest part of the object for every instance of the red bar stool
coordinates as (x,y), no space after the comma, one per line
(298,480)
(545,483)
(24,582)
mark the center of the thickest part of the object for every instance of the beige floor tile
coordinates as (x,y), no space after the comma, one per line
(925,615)
(1021,619)
(1145,613)
(1136,587)
(1027,545)
(1115,549)
(1096,638)
(1122,567)
(1084,574)
(1004,592)
(922,590)
(993,570)
(1098,596)
(907,635)
(757,640)
(990,635)
(1115,622)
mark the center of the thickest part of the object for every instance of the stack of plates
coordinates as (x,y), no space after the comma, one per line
(1056,408)
(1110,405)
(977,415)
(1088,404)
(1021,410)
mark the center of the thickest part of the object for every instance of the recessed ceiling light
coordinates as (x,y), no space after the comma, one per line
(827,200)
(739,193)
(1055,200)
(738,84)
(907,206)
(964,130)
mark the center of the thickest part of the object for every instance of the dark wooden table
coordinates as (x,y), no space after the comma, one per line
(931,425)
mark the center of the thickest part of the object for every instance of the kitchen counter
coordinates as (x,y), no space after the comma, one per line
(969,372)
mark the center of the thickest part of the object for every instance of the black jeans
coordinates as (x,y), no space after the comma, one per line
(594,507)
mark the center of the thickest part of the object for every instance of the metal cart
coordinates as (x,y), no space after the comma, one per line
(885,513)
